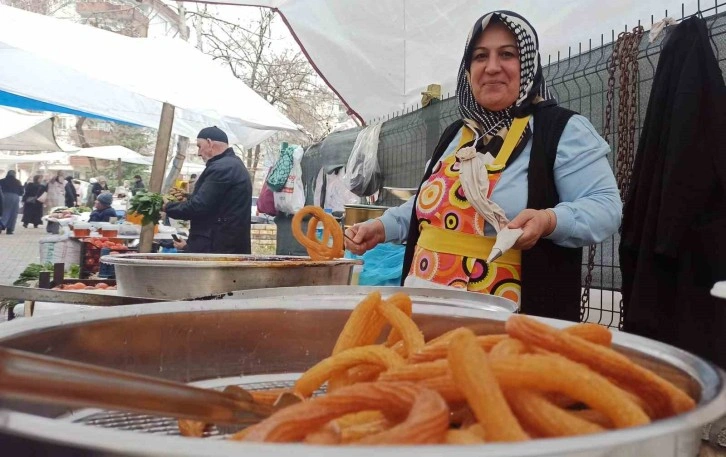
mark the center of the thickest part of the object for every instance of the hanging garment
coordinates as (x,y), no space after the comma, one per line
(673,244)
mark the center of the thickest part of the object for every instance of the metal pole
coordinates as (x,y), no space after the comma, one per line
(163,138)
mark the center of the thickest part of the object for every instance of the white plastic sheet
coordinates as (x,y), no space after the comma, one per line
(113,153)
(128,79)
(22,130)
(379,55)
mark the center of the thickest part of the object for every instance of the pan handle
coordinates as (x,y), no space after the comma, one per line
(32,377)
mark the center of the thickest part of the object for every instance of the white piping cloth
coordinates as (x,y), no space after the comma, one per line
(476,185)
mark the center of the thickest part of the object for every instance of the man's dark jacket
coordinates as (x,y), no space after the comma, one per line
(219,208)
(673,244)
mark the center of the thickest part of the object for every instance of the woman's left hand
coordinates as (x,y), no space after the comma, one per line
(535,224)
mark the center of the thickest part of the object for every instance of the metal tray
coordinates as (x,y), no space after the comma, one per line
(183,276)
(262,340)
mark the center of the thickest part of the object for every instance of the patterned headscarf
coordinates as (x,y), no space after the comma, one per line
(532,89)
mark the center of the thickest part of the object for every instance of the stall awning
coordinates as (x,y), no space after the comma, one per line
(8,159)
(22,130)
(128,79)
(114,153)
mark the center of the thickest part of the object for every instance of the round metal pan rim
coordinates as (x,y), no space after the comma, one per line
(710,377)
(222,261)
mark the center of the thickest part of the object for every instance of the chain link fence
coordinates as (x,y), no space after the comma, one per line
(579,82)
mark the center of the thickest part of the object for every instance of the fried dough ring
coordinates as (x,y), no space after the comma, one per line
(332,234)
(424,414)
(508,347)
(439,349)
(553,373)
(191,428)
(363,326)
(404,303)
(416,372)
(462,437)
(537,413)
(401,322)
(474,377)
(665,398)
(312,379)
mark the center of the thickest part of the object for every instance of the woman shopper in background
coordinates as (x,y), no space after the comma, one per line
(56,191)
(12,190)
(70,193)
(32,208)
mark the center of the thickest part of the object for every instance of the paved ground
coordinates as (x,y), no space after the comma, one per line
(18,250)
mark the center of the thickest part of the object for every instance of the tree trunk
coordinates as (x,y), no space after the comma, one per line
(84,143)
(248,158)
(255,163)
(177,163)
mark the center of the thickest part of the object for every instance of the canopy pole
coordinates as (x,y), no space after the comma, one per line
(119,172)
(163,139)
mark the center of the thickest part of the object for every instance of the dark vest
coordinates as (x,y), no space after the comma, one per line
(550,273)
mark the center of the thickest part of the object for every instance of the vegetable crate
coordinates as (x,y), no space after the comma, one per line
(91,254)
(58,281)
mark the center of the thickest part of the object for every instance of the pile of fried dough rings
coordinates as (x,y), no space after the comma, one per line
(330,246)
(534,381)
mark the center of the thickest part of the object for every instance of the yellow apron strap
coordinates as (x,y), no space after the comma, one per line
(466,136)
(510,142)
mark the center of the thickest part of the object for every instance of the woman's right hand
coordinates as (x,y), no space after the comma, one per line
(365,236)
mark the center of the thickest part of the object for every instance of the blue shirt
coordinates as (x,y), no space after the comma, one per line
(590,208)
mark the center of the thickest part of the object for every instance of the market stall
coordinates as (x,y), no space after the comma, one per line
(111,87)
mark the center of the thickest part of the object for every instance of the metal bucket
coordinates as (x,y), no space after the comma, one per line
(269,339)
(182,276)
(361,213)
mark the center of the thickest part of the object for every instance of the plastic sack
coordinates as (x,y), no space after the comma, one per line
(330,190)
(291,198)
(279,173)
(382,265)
(60,249)
(363,175)
(266,200)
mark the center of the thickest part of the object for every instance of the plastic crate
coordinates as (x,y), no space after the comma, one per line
(106,270)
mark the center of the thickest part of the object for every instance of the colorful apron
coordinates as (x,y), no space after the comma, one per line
(451,249)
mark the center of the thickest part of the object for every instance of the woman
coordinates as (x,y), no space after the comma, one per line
(71,195)
(98,187)
(515,160)
(32,208)
(56,191)
(12,190)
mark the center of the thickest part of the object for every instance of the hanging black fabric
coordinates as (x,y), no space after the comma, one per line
(672,247)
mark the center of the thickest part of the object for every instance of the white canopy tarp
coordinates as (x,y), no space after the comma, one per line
(8,159)
(379,55)
(128,79)
(114,153)
(22,130)
(192,167)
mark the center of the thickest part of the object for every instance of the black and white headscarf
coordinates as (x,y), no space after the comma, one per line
(532,89)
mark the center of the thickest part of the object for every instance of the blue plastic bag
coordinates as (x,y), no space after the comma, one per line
(382,265)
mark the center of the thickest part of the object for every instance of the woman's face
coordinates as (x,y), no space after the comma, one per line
(495,69)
